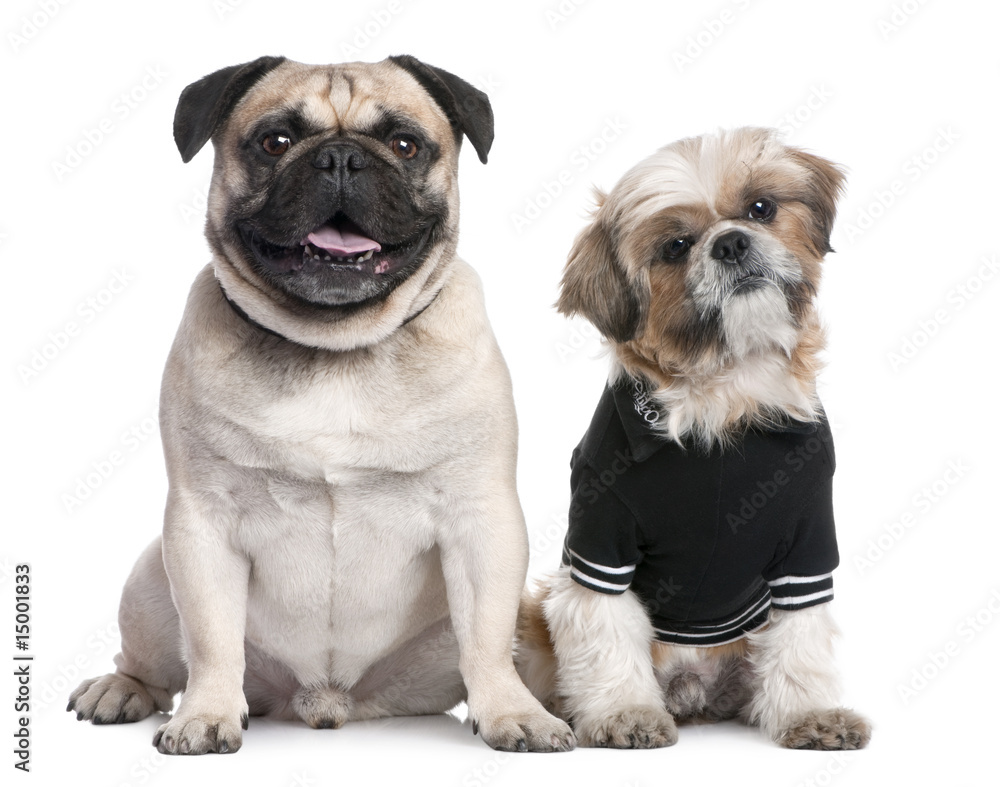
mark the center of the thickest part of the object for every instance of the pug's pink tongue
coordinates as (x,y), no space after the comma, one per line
(340,243)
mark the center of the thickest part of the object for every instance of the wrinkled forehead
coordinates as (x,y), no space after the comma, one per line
(717,172)
(343,97)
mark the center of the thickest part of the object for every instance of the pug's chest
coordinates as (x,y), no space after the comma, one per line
(332,469)
(348,429)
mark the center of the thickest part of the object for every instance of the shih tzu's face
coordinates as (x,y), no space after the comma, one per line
(708,251)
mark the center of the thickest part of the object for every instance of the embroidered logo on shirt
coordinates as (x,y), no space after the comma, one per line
(644,404)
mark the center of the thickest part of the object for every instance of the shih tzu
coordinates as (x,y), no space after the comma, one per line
(698,562)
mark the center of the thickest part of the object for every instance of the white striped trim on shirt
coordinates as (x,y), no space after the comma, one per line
(798,580)
(604,579)
(583,579)
(603,569)
(753,615)
(793,592)
(735,626)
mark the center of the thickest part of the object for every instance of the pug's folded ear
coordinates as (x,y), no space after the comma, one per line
(467,108)
(205,104)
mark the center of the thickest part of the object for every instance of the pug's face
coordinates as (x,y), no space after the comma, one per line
(333,184)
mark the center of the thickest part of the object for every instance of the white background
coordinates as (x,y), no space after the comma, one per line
(903,94)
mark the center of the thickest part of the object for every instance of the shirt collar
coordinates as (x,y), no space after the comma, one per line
(639,415)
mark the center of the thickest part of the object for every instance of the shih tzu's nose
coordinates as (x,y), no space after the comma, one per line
(731,247)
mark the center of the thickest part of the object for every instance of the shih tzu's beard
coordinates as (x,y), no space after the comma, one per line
(756,304)
(756,323)
(748,356)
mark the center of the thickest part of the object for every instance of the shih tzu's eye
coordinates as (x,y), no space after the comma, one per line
(404,147)
(275,144)
(762,210)
(676,249)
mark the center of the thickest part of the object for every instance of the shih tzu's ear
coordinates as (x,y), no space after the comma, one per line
(826,185)
(595,285)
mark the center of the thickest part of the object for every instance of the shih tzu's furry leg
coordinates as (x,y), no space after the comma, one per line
(796,688)
(534,656)
(604,672)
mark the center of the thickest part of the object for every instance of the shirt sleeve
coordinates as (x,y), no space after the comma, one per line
(803,575)
(600,546)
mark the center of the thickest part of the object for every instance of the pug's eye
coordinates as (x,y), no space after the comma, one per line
(404,147)
(275,144)
(676,249)
(762,210)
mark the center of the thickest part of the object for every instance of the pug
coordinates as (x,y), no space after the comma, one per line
(343,538)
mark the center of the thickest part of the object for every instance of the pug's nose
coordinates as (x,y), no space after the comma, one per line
(340,157)
(731,247)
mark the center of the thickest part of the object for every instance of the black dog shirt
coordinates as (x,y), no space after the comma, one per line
(709,541)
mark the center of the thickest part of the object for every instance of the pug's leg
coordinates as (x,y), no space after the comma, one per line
(484,555)
(419,678)
(795,684)
(151,668)
(604,672)
(209,581)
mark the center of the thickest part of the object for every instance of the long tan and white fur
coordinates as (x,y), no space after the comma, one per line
(590,657)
